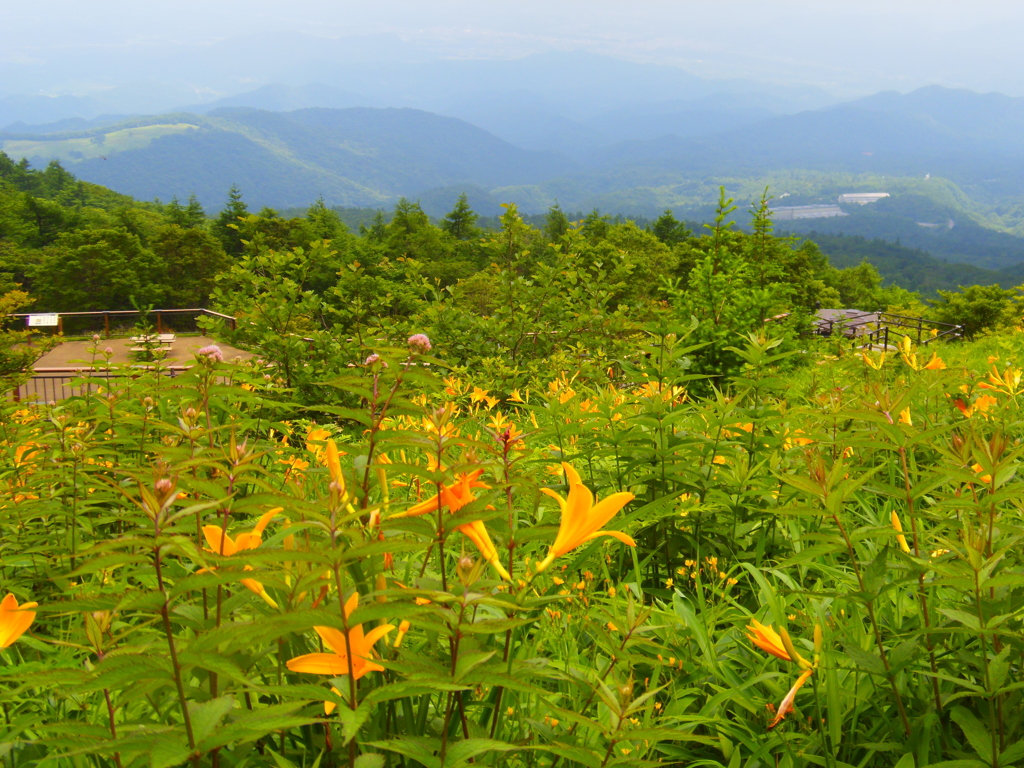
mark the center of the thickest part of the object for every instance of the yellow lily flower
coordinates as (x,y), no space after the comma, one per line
(357,644)
(581,518)
(14,620)
(874,363)
(477,533)
(334,466)
(1009,381)
(222,544)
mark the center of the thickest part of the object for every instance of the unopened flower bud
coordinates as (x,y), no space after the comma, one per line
(164,486)
(403,627)
(372,359)
(468,570)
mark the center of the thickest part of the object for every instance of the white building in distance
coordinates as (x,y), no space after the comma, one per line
(862,198)
(790,212)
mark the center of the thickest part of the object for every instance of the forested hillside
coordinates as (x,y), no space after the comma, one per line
(74,246)
(78,246)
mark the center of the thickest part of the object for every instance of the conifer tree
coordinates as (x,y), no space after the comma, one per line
(557,223)
(225,227)
(460,222)
(669,230)
(194,213)
(174,213)
(324,222)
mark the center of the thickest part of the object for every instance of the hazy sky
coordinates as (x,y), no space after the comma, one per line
(849,48)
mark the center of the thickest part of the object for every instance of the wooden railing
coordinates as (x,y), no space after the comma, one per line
(122,321)
(881,328)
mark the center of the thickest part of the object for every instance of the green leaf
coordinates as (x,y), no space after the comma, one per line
(207,716)
(967,619)
(463,751)
(168,752)
(1012,754)
(420,748)
(280,761)
(370,760)
(352,720)
(866,661)
(470,661)
(976,733)
(589,758)
(875,573)
(998,668)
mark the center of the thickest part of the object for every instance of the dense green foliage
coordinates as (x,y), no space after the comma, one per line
(909,268)
(394,586)
(515,496)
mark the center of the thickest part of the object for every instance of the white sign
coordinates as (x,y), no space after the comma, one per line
(38,321)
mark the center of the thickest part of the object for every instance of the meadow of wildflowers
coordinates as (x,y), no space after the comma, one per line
(814,562)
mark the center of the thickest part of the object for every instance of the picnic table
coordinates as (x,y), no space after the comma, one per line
(140,342)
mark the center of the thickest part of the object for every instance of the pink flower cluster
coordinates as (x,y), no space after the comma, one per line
(211,353)
(419,343)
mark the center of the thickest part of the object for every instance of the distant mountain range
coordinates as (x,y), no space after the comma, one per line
(971,137)
(352,156)
(638,149)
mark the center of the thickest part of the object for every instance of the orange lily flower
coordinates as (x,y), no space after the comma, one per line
(935,364)
(767,639)
(14,620)
(775,643)
(787,703)
(222,544)
(581,518)
(981,405)
(314,441)
(357,645)
(980,470)
(455,497)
